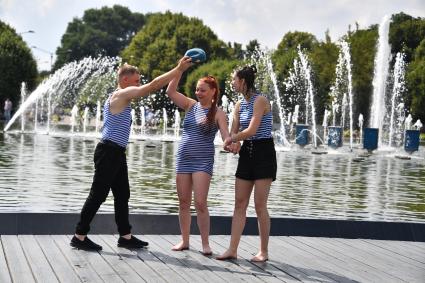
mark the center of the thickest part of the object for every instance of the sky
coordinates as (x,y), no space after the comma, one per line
(232,20)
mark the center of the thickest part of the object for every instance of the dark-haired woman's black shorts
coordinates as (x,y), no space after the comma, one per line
(257,160)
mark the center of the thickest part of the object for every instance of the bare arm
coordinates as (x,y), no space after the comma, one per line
(222,124)
(122,97)
(261,107)
(178,98)
(235,126)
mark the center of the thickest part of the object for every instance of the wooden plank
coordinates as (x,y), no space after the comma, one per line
(4,270)
(97,260)
(133,260)
(372,260)
(394,250)
(391,263)
(285,253)
(364,271)
(233,266)
(349,254)
(77,259)
(401,248)
(209,262)
(117,263)
(333,267)
(268,267)
(193,265)
(156,264)
(62,268)
(176,260)
(20,271)
(40,267)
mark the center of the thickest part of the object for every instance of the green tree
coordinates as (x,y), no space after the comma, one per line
(416,83)
(324,57)
(406,32)
(363,48)
(286,51)
(105,31)
(17,65)
(163,40)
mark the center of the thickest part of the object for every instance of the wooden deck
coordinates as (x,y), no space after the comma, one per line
(49,258)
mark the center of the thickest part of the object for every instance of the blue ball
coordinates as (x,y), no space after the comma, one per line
(197,54)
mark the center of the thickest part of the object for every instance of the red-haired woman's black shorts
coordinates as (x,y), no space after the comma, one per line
(257,160)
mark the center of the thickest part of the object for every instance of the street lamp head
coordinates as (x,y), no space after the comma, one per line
(28,31)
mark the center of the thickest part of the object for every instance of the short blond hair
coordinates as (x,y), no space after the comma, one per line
(127,69)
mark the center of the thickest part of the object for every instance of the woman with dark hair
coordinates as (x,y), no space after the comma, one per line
(252,124)
(195,155)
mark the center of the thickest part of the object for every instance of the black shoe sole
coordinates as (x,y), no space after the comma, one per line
(84,248)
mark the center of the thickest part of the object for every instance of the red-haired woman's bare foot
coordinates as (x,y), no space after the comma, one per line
(227,255)
(180,247)
(206,250)
(260,257)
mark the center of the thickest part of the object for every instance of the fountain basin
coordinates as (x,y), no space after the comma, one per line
(301,133)
(335,136)
(411,141)
(370,139)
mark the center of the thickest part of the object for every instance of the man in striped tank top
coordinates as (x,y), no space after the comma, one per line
(110,159)
(257,166)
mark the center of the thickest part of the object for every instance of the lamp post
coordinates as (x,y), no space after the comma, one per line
(48,52)
(28,31)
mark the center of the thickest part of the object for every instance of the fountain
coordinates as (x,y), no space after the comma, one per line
(23,95)
(85,119)
(397,113)
(382,59)
(176,123)
(342,98)
(74,114)
(62,88)
(299,84)
(98,114)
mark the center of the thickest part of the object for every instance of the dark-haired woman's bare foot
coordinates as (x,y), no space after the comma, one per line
(260,257)
(180,247)
(227,255)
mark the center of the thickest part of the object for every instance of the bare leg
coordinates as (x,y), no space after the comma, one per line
(201,185)
(184,192)
(261,195)
(243,189)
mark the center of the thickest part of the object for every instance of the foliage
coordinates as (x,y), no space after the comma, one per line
(416,82)
(17,65)
(406,34)
(106,31)
(165,38)
(362,47)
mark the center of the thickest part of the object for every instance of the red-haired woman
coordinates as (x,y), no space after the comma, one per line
(195,156)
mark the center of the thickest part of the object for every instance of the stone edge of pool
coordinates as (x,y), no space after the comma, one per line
(20,223)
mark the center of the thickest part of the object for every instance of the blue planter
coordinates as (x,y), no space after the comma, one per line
(335,136)
(370,138)
(301,134)
(411,140)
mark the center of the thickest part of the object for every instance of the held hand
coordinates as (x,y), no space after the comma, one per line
(235,147)
(184,63)
(227,142)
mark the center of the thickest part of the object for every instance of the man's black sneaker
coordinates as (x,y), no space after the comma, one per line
(133,243)
(86,244)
